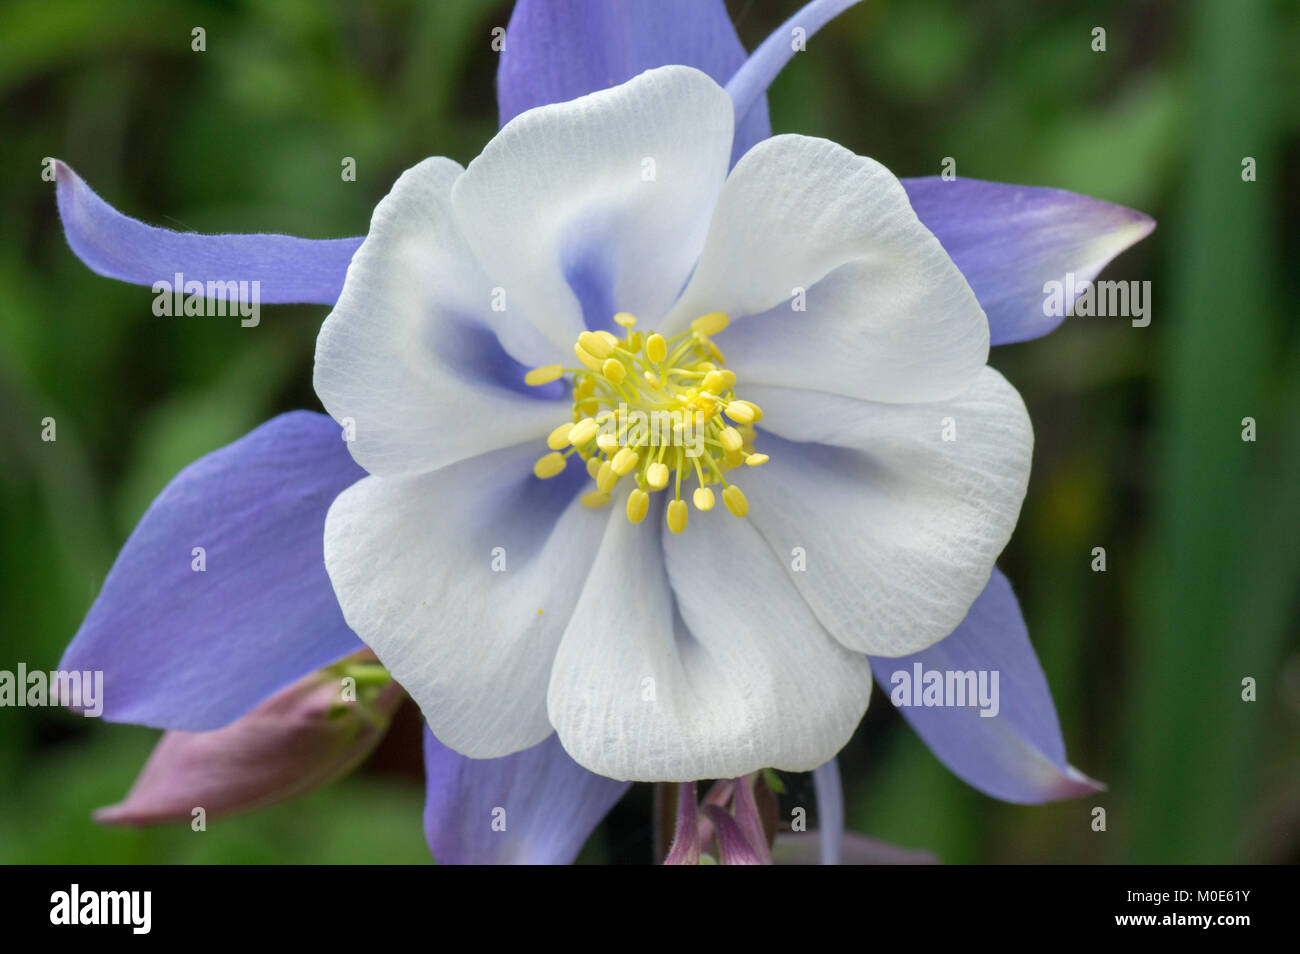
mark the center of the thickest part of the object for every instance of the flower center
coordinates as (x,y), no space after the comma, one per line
(658,410)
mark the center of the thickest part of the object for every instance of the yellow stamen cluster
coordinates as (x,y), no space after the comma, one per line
(658,410)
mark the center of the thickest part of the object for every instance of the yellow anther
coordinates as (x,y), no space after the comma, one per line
(638,503)
(656,349)
(549,465)
(588,359)
(606,477)
(735,501)
(558,439)
(646,374)
(740,413)
(713,381)
(614,370)
(543,375)
(596,344)
(677,515)
(710,324)
(624,461)
(584,431)
(656,475)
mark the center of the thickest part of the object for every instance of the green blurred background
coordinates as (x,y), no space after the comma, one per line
(1138,430)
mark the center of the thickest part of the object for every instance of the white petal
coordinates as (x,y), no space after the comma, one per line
(412,562)
(900,528)
(733,675)
(409,355)
(612,190)
(888,316)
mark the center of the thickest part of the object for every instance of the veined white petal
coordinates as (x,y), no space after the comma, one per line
(899,526)
(805,223)
(731,675)
(462,582)
(610,192)
(408,360)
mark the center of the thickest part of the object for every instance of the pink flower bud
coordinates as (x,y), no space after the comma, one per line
(303,737)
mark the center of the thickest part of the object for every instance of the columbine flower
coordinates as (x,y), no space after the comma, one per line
(660,656)
(739,643)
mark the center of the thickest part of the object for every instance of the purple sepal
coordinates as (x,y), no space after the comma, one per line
(1018,754)
(287,269)
(219,597)
(535,807)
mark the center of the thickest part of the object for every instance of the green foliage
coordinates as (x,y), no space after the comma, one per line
(1138,429)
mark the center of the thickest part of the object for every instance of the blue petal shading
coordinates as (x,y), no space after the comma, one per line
(1009,241)
(187,649)
(557,50)
(1017,755)
(288,269)
(535,807)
